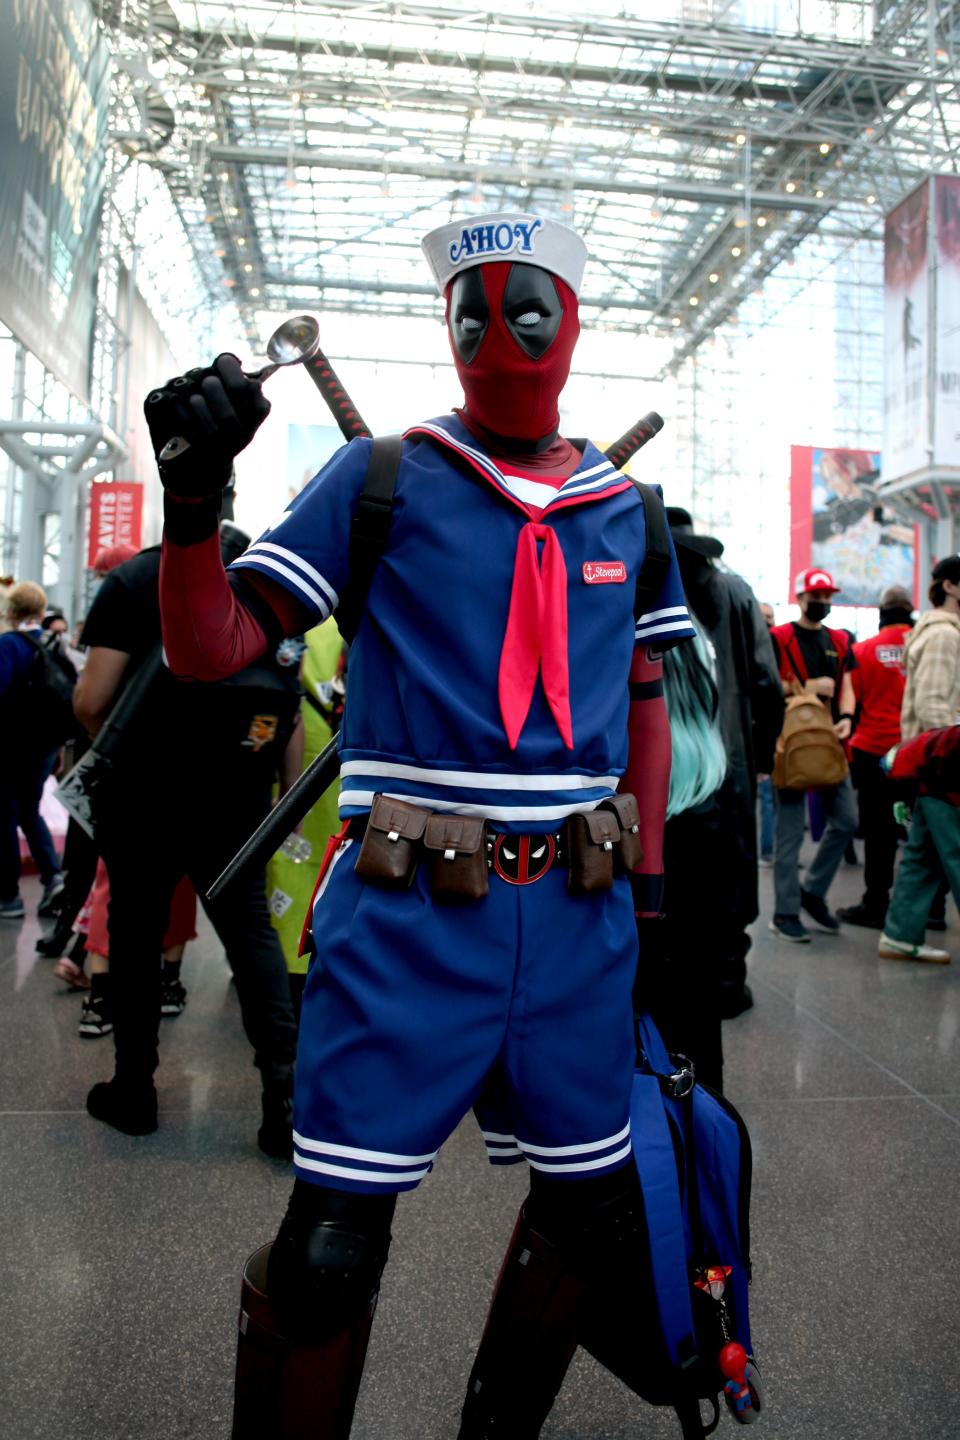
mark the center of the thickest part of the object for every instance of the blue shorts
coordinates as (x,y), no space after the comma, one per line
(519,1004)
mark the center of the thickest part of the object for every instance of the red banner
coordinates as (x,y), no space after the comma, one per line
(116,516)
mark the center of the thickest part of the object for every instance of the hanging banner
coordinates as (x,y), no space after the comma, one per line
(907,342)
(946,428)
(838,524)
(116,516)
(53,131)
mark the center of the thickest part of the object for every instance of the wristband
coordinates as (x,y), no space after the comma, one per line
(846,715)
(188,522)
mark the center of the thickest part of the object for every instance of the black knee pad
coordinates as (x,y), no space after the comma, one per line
(326,1262)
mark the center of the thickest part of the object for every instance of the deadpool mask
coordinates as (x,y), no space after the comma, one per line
(512,329)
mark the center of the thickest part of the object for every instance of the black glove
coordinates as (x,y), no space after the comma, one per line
(217,411)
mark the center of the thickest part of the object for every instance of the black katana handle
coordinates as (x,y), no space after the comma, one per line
(644,430)
(283,818)
(342,408)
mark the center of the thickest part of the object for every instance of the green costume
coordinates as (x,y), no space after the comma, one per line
(290,881)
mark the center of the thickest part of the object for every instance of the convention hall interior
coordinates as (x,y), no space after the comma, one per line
(769,194)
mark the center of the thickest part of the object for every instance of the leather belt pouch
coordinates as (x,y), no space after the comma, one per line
(625,807)
(591,838)
(390,847)
(457,851)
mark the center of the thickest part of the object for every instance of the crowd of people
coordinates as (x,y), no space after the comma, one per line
(217,755)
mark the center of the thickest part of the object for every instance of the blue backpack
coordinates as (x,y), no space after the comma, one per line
(693,1157)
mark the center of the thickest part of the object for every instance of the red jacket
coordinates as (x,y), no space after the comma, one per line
(790,655)
(878,684)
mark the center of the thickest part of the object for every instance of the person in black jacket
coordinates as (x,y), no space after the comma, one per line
(751,714)
(192,782)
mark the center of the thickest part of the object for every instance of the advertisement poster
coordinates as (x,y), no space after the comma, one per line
(116,516)
(53,130)
(837,522)
(309,447)
(907,347)
(946,445)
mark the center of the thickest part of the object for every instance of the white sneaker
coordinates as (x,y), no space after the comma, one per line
(901,950)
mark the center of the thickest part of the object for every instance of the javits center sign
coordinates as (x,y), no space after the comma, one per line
(53,127)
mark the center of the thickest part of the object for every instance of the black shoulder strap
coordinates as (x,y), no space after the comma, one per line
(370,530)
(657,557)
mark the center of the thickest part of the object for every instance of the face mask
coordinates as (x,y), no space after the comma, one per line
(817,610)
(512,329)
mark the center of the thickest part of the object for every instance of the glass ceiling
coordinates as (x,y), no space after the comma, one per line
(304,148)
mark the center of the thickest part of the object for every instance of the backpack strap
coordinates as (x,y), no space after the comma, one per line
(657,555)
(370,529)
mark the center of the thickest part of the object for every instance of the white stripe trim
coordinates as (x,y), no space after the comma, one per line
(317,599)
(583,1164)
(478,779)
(351,1152)
(297,560)
(578,489)
(534,492)
(377,1177)
(506,1151)
(605,467)
(492,1135)
(658,628)
(340,851)
(663,614)
(577,1149)
(364,799)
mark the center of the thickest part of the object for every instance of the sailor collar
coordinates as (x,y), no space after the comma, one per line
(595,478)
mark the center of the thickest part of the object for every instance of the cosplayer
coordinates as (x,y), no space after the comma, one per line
(474,925)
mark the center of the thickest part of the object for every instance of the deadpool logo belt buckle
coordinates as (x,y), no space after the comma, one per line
(522,859)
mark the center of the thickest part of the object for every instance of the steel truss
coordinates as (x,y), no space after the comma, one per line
(308,146)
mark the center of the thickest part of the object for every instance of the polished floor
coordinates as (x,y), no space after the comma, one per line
(121,1257)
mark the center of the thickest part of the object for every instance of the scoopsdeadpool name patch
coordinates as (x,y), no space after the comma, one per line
(604,572)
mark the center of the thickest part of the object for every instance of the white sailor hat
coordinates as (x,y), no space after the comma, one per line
(505,235)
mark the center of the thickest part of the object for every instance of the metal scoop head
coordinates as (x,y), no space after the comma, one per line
(291,343)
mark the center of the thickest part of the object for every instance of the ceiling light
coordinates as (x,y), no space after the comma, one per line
(242,241)
(675,321)
(761,221)
(871,199)
(824,148)
(736,252)
(713,277)
(654,131)
(219,254)
(225,175)
(254,292)
(741,138)
(248,268)
(295,98)
(819,194)
(656,215)
(478,113)
(790,186)
(694,300)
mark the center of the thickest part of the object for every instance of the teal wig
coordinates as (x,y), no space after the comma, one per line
(699,761)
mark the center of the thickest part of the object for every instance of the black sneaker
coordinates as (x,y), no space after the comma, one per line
(55,944)
(173,997)
(735,999)
(51,898)
(788,927)
(96,1017)
(816,907)
(861,915)
(12,909)
(275,1136)
(133,1112)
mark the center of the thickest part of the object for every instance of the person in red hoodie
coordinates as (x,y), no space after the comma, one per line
(818,660)
(878,683)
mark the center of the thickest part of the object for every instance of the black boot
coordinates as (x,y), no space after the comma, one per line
(275,1136)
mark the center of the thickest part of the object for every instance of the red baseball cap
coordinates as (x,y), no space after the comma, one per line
(815,582)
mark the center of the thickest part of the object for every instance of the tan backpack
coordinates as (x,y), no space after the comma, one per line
(809,756)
